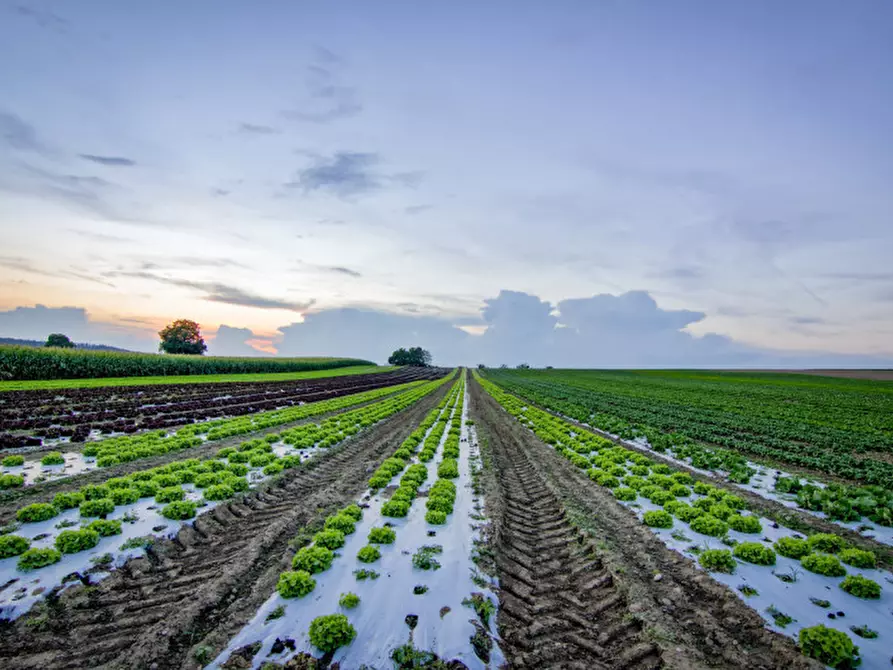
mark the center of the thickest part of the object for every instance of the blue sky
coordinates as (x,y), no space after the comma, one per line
(717,173)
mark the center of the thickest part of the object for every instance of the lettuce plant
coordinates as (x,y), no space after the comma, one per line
(219,492)
(395,508)
(828,646)
(13,545)
(170,494)
(295,584)
(38,558)
(105,527)
(709,525)
(658,518)
(36,512)
(754,552)
(341,523)
(73,541)
(313,559)
(124,496)
(179,510)
(53,458)
(792,547)
(97,507)
(330,539)
(349,600)
(382,535)
(331,632)
(823,564)
(745,524)
(826,542)
(859,558)
(861,587)
(369,554)
(717,560)
(355,512)
(13,460)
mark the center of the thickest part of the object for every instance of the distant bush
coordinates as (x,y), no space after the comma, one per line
(295,584)
(98,507)
(331,632)
(38,558)
(861,587)
(828,646)
(179,510)
(13,545)
(73,541)
(312,559)
(383,535)
(36,512)
(823,564)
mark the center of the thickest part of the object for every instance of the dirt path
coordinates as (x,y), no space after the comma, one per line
(612,597)
(188,595)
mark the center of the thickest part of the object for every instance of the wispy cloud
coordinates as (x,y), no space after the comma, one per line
(19,134)
(345,271)
(43,18)
(256,129)
(19,264)
(412,210)
(219,292)
(349,173)
(328,99)
(114,161)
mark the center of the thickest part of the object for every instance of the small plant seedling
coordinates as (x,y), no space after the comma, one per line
(781,619)
(349,600)
(277,613)
(864,631)
(419,589)
(364,574)
(482,606)
(748,590)
(820,603)
(423,559)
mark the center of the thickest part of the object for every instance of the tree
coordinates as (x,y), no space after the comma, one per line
(182,337)
(413,356)
(59,340)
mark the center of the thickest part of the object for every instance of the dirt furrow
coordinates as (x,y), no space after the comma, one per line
(613,595)
(559,606)
(173,607)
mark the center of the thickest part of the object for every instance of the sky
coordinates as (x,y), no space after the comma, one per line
(608,183)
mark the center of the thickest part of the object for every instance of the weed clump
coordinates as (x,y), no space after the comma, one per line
(331,632)
(295,584)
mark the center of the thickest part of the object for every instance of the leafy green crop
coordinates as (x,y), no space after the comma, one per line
(340,522)
(38,558)
(369,554)
(13,460)
(73,541)
(829,646)
(861,587)
(330,539)
(709,525)
(754,552)
(179,510)
(313,559)
(658,519)
(331,632)
(792,547)
(295,584)
(36,512)
(349,600)
(859,558)
(745,524)
(105,527)
(717,560)
(97,507)
(13,545)
(825,542)
(382,535)
(823,564)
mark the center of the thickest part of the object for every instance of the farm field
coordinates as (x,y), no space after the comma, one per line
(444,519)
(47,384)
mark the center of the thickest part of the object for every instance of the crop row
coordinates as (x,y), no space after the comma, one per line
(218,478)
(128,448)
(790,424)
(36,363)
(669,500)
(30,417)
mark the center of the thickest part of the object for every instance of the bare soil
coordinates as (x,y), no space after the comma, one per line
(618,598)
(188,596)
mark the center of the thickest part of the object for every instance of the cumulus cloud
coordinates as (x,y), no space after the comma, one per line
(629,330)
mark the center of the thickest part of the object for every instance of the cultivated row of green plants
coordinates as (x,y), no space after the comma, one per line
(220,478)
(842,427)
(20,363)
(442,494)
(127,448)
(332,631)
(706,509)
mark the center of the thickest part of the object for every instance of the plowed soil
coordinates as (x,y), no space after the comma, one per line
(188,596)
(585,585)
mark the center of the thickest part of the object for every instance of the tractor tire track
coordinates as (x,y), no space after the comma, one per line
(559,605)
(152,611)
